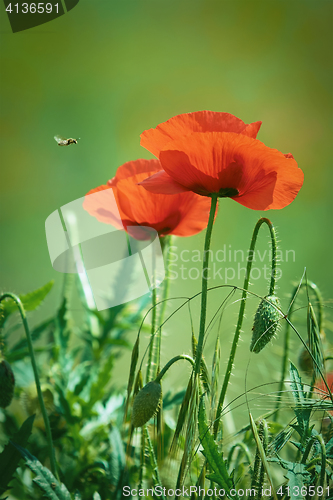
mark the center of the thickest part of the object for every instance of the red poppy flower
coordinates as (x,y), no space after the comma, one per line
(182,214)
(321,389)
(207,152)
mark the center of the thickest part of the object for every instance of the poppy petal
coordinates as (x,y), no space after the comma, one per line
(223,162)
(162,183)
(124,203)
(200,121)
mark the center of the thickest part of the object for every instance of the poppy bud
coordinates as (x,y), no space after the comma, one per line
(146,403)
(305,361)
(266,323)
(7,384)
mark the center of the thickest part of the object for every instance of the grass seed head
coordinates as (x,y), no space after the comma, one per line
(7,384)
(146,403)
(266,323)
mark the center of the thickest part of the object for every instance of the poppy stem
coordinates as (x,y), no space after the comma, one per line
(170,363)
(242,309)
(151,368)
(37,382)
(204,284)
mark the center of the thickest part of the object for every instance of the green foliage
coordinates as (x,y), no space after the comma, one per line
(302,411)
(296,475)
(97,450)
(10,456)
(30,301)
(214,458)
(45,480)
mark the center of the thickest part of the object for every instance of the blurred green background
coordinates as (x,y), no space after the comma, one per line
(108,70)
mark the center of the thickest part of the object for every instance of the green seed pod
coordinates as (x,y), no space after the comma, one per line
(266,323)
(7,384)
(305,362)
(146,403)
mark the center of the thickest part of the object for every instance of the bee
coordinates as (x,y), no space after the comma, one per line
(62,141)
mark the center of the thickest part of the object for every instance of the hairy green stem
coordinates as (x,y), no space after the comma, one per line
(204,284)
(263,433)
(155,338)
(166,251)
(242,308)
(37,382)
(151,368)
(171,362)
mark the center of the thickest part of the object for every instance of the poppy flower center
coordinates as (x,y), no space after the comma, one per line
(228,192)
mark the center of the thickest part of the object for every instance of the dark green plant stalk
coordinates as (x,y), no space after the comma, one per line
(242,309)
(19,304)
(142,458)
(204,284)
(263,433)
(150,367)
(256,470)
(286,348)
(171,362)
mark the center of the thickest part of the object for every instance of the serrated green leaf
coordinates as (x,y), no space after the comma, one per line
(30,302)
(302,411)
(214,458)
(45,480)
(329,448)
(296,385)
(297,476)
(10,457)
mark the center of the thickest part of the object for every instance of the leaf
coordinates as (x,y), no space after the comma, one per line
(117,456)
(215,459)
(329,448)
(53,490)
(20,349)
(10,457)
(33,299)
(301,410)
(30,300)
(297,476)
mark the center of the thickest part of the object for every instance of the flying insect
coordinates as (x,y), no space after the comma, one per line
(62,141)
